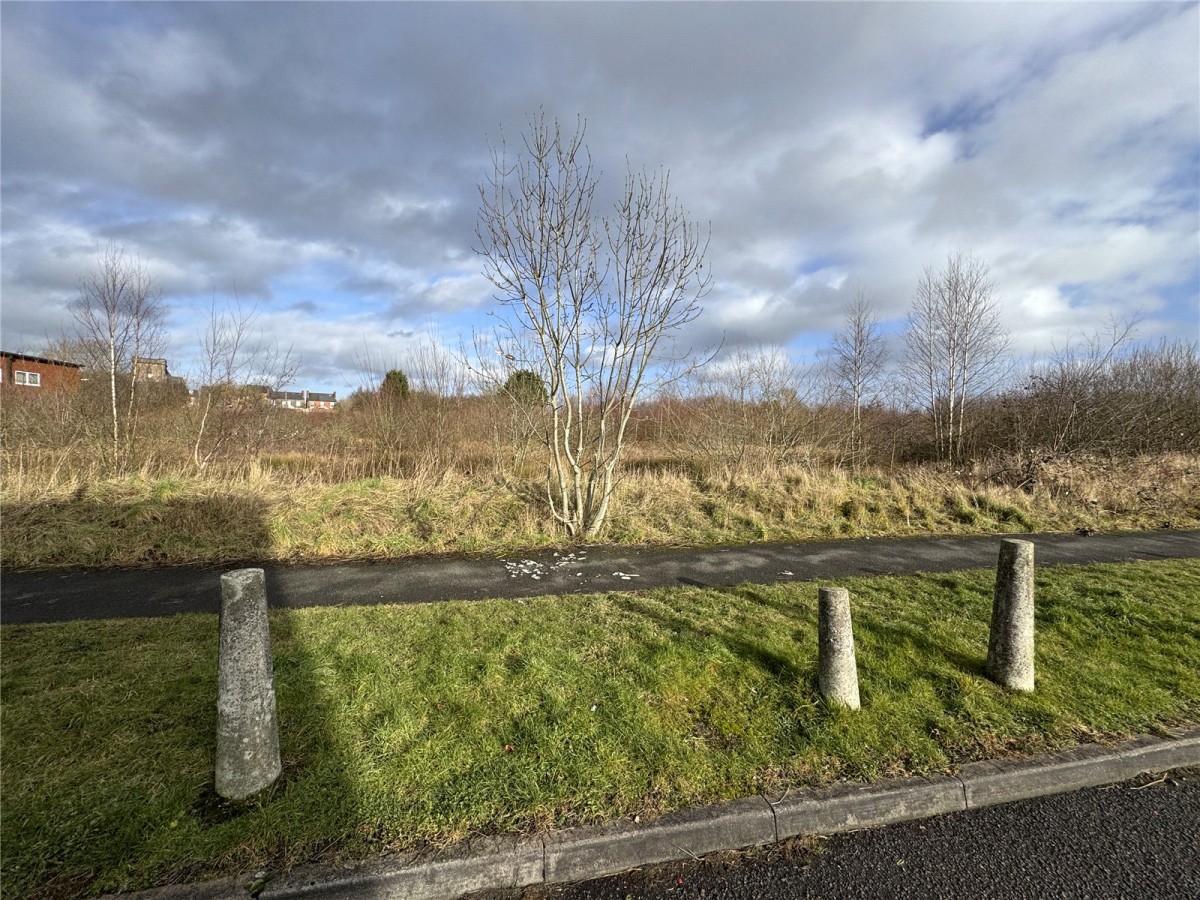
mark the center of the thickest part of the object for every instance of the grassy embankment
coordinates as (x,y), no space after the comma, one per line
(405,726)
(272,515)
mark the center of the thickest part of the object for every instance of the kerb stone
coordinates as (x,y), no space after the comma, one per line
(590,852)
(1154,754)
(989,782)
(485,863)
(849,807)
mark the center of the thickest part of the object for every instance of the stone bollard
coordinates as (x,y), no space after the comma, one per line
(247,729)
(839,673)
(1010,642)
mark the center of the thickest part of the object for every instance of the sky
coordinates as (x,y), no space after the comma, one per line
(320,161)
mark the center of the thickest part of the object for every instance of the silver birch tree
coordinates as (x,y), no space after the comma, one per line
(955,347)
(119,317)
(859,355)
(586,302)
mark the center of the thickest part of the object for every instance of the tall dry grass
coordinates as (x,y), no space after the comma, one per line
(268,514)
(446,474)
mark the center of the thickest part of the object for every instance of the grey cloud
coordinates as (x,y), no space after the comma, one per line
(239,143)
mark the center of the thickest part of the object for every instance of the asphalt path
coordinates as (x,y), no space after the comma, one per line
(56,596)
(1140,839)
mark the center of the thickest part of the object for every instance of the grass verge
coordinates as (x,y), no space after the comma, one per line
(406,726)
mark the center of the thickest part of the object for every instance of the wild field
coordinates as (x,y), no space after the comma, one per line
(438,474)
(272,514)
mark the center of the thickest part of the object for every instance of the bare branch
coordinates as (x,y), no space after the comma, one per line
(585,303)
(955,347)
(118,319)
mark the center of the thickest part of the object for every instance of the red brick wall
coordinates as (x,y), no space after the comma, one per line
(55,376)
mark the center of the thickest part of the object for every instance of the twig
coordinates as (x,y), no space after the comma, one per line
(1150,783)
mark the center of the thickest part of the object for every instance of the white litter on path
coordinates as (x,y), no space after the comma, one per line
(535,570)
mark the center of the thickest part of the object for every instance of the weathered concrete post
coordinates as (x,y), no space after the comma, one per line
(247,729)
(839,674)
(1010,643)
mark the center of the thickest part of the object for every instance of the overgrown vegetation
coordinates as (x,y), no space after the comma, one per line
(286,512)
(403,726)
(1105,434)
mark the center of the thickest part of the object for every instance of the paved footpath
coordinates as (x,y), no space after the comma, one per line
(63,595)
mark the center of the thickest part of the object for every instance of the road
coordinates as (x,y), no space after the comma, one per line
(63,595)
(1137,840)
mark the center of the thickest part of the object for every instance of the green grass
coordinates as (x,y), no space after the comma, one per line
(405,726)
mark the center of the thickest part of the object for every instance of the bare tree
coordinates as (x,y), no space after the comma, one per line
(1069,403)
(119,320)
(586,302)
(955,347)
(859,355)
(755,408)
(236,362)
(438,383)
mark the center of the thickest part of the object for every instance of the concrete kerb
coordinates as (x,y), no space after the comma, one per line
(476,865)
(1002,781)
(581,853)
(850,807)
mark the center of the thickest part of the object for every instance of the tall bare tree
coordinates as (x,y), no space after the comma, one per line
(859,355)
(236,361)
(119,318)
(587,302)
(955,346)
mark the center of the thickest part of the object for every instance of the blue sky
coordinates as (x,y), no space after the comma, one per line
(321,160)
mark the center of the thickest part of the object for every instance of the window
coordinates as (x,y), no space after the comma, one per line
(32,379)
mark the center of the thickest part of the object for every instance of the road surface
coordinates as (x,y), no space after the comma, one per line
(1136,840)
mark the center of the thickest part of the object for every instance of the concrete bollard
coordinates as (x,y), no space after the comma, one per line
(1010,642)
(247,729)
(839,673)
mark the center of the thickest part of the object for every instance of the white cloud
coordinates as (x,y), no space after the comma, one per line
(326,159)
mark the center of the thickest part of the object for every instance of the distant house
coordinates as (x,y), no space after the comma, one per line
(155,371)
(146,369)
(25,372)
(306,401)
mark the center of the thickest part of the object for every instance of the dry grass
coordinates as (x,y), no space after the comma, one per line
(269,513)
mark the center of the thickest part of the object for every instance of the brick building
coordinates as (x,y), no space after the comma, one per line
(25,372)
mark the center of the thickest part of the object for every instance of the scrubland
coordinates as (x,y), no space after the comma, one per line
(439,474)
